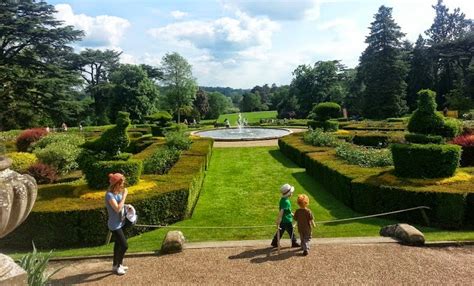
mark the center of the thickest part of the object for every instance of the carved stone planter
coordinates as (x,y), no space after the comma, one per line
(17,195)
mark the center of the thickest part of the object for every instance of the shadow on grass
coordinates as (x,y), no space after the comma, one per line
(267,254)
(282,159)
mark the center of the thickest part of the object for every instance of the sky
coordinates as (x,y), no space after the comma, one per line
(240,43)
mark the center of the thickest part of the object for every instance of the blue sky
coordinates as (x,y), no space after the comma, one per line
(241,43)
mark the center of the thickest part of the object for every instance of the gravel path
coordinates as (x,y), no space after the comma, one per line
(386,264)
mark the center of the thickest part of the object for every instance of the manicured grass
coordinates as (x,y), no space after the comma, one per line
(242,189)
(251,117)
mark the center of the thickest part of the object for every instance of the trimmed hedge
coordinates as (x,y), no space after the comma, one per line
(61,219)
(97,173)
(364,190)
(325,111)
(425,161)
(327,125)
(371,140)
(424,139)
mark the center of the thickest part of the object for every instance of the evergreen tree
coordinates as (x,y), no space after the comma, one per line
(382,68)
(420,75)
(201,103)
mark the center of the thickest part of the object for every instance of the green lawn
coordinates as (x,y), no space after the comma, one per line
(242,188)
(250,116)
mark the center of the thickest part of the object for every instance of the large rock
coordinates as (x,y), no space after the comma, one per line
(10,273)
(173,242)
(405,233)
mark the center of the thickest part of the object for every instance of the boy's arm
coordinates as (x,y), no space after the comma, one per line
(312,223)
(280,215)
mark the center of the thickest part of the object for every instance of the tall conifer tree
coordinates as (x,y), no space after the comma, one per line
(382,69)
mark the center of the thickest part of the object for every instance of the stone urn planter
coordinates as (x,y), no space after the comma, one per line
(17,195)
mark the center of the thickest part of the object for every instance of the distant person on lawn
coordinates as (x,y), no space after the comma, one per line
(285,217)
(305,220)
(114,201)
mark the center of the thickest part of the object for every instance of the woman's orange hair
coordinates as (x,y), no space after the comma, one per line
(303,200)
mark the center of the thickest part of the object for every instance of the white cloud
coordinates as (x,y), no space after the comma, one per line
(178,14)
(223,37)
(100,31)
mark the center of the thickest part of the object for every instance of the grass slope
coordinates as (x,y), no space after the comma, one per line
(250,116)
(242,188)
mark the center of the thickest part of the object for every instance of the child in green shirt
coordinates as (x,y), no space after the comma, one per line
(285,217)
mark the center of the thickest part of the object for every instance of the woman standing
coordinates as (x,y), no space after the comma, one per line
(114,201)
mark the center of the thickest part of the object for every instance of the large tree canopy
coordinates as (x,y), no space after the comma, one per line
(35,79)
(180,85)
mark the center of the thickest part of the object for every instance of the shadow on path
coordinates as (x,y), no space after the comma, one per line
(266,254)
(82,278)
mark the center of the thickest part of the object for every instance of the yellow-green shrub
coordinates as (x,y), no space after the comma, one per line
(21,161)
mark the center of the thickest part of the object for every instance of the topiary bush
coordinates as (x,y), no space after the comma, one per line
(424,139)
(162,119)
(60,155)
(426,120)
(21,161)
(97,173)
(161,161)
(321,114)
(325,111)
(28,137)
(425,161)
(321,139)
(113,140)
(371,140)
(178,140)
(44,174)
(467,144)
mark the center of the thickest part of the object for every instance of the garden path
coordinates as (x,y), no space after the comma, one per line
(386,264)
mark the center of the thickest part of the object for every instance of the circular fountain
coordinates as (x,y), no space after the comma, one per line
(243,132)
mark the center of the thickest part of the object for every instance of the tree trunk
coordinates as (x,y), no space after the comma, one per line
(179,115)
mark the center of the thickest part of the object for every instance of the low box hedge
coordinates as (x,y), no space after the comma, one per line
(294,147)
(62,219)
(96,173)
(366,191)
(425,160)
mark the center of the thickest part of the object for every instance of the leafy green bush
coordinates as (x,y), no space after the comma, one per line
(160,118)
(178,140)
(97,173)
(60,155)
(364,157)
(161,161)
(319,138)
(113,140)
(424,139)
(35,264)
(21,161)
(371,140)
(452,128)
(327,126)
(44,174)
(425,161)
(69,138)
(325,111)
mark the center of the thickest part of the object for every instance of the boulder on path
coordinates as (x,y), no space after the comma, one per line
(173,242)
(405,233)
